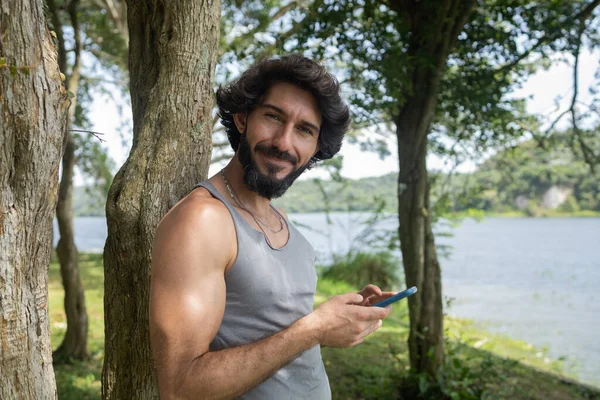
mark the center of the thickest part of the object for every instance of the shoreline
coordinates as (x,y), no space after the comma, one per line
(477,214)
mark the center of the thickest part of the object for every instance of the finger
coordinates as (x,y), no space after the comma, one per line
(370,292)
(351,298)
(369,300)
(372,299)
(383,296)
(356,342)
(370,289)
(366,292)
(372,328)
(372,313)
(373,289)
(385,311)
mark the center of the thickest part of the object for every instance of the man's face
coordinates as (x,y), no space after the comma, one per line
(279,137)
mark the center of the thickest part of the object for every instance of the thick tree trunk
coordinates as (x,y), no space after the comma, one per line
(435,28)
(74,344)
(173,47)
(33,108)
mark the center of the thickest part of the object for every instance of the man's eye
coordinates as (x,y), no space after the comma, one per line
(273,116)
(306,130)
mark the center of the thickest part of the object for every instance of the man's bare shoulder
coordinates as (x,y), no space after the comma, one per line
(197,209)
(197,226)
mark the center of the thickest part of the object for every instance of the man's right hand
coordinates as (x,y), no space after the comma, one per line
(343,322)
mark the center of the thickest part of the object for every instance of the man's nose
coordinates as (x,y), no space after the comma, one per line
(283,137)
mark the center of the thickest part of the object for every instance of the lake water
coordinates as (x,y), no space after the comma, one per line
(537,280)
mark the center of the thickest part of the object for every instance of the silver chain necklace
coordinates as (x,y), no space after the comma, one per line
(239,203)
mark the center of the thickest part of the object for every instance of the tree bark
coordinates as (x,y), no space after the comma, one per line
(74,344)
(435,26)
(33,108)
(421,267)
(172,58)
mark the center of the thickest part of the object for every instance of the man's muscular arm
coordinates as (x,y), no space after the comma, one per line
(194,245)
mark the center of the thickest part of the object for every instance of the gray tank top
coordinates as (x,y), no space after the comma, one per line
(268,290)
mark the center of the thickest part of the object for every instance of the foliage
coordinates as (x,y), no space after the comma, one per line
(529,171)
(570,205)
(361,268)
(524,170)
(103,57)
(350,195)
(368,44)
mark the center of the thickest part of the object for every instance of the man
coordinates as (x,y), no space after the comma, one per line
(233,281)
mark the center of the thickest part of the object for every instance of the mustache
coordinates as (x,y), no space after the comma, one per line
(274,152)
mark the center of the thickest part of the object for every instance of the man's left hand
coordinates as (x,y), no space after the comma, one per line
(372,295)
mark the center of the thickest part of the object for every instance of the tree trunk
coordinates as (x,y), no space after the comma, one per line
(435,28)
(421,266)
(33,108)
(173,47)
(74,344)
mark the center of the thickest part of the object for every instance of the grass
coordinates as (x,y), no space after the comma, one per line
(79,380)
(479,365)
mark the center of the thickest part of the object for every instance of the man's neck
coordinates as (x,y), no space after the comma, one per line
(256,204)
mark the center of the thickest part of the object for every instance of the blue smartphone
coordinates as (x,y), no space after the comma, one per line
(396,297)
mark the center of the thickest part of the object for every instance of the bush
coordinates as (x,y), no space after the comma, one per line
(570,205)
(533,209)
(359,269)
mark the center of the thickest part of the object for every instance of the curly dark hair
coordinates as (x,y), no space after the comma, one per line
(248,91)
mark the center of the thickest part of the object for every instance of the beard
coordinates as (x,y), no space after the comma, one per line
(266,185)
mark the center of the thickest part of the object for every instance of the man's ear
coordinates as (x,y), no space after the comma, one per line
(240,122)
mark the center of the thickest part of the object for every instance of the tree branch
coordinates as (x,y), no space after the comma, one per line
(588,153)
(259,27)
(57,24)
(549,130)
(96,134)
(588,10)
(549,37)
(281,39)
(104,55)
(117,12)
(72,82)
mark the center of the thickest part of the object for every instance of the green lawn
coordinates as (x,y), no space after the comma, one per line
(80,380)
(478,365)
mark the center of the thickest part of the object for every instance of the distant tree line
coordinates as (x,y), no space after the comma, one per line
(525,172)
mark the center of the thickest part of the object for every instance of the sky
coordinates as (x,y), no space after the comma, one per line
(543,88)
